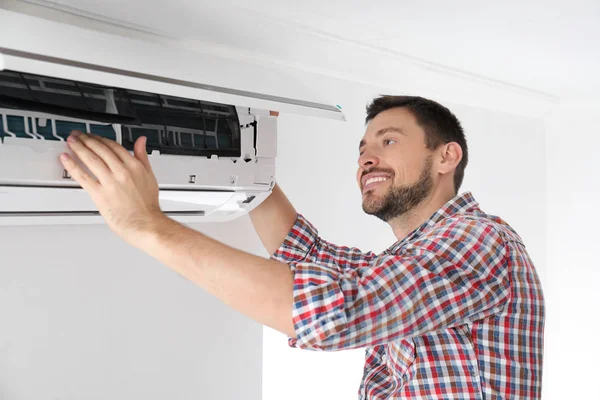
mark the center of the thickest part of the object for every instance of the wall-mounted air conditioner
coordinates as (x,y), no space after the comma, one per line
(212,148)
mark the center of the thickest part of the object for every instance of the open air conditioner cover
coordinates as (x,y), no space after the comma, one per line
(211,148)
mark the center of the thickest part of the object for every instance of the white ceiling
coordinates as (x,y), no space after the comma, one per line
(544,46)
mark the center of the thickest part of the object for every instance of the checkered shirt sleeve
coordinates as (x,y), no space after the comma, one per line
(344,298)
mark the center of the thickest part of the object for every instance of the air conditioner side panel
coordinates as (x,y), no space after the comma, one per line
(266,146)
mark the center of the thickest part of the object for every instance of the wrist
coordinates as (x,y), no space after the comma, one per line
(150,232)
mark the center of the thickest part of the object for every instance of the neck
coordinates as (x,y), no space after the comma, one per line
(412,219)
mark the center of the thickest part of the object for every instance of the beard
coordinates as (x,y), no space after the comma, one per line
(399,200)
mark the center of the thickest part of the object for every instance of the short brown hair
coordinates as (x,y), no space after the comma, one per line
(439,124)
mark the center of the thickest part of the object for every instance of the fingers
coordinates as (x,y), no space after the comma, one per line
(94,155)
(105,157)
(139,150)
(118,149)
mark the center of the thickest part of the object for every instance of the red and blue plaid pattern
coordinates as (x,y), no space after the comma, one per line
(453,311)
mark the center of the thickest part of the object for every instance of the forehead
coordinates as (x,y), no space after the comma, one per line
(398,117)
(395,118)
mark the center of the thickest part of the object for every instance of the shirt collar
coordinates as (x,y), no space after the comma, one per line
(457,205)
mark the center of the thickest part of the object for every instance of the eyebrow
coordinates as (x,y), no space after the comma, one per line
(382,132)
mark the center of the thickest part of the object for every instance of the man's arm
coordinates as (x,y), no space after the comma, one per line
(273,219)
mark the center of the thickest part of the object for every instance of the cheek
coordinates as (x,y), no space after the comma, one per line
(406,169)
(413,170)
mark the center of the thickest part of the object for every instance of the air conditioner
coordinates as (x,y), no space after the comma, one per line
(212,148)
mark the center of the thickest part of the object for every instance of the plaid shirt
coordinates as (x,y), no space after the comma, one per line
(453,311)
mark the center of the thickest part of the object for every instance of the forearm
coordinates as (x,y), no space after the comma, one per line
(259,288)
(273,219)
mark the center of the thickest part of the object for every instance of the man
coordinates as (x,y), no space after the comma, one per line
(453,309)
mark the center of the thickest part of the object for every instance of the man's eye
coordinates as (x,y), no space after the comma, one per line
(387,141)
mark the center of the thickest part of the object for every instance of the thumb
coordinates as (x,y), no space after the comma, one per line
(139,151)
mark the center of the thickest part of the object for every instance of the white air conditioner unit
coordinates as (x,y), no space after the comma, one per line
(212,148)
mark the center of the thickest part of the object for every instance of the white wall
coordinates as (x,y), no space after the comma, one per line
(85,316)
(572,275)
(316,169)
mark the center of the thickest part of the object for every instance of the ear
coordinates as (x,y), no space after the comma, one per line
(450,156)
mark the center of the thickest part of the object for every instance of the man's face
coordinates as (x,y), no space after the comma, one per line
(394,167)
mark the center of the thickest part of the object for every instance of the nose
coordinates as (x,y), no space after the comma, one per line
(367,159)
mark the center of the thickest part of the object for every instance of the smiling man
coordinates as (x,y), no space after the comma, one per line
(453,310)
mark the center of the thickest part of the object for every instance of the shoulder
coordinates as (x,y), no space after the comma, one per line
(463,227)
(461,236)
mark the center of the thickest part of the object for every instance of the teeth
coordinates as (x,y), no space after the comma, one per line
(377,179)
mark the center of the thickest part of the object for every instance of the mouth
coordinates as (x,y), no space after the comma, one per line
(371,182)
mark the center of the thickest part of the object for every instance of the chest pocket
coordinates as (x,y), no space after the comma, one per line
(400,359)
